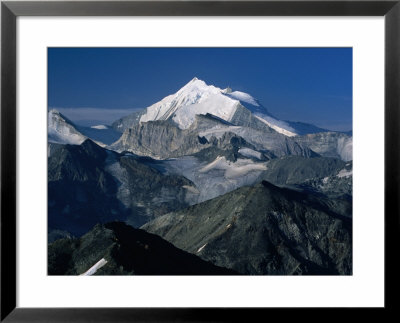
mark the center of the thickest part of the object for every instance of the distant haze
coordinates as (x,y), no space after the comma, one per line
(100,85)
(94,116)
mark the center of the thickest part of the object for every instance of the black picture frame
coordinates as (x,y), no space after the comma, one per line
(10,10)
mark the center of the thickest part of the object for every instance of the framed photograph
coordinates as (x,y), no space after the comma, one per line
(198,160)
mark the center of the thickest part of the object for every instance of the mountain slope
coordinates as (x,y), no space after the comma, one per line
(128,121)
(329,144)
(198,98)
(336,185)
(88,184)
(61,130)
(118,249)
(162,139)
(159,139)
(264,230)
(330,177)
(261,138)
(80,192)
(175,127)
(296,169)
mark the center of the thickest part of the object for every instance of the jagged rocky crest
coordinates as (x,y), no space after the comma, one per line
(119,249)
(89,184)
(210,170)
(264,230)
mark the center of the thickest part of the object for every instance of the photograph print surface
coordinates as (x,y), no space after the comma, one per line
(200,161)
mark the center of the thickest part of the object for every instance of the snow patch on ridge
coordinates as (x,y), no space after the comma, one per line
(247,152)
(218,131)
(244,97)
(201,248)
(345,173)
(233,170)
(279,126)
(92,270)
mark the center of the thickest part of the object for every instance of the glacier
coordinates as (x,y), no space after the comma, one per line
(196,97)
(213,179)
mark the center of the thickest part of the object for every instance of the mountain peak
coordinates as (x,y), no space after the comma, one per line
(62,130)
(197,85)
(227,90)
(197,97)
(54,111)
(55,115)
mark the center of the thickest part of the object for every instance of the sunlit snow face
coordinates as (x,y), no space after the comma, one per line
(61,131)
(197,97)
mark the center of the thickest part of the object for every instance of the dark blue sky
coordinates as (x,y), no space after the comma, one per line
(300,84)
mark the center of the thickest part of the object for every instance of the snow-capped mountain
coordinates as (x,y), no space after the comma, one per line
(171,127)
(205,169)
(196,97)
(62,131)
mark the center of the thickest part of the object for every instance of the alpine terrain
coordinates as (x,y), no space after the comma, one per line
(205,181)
